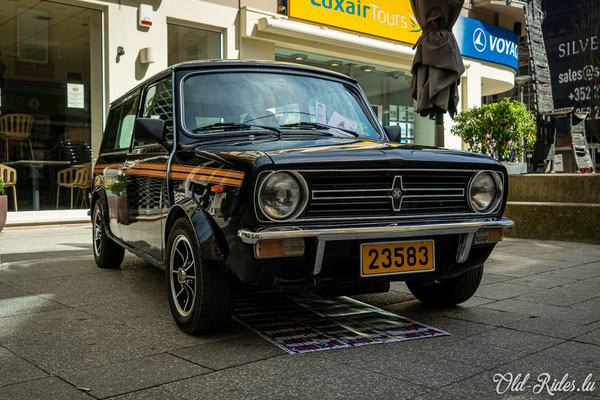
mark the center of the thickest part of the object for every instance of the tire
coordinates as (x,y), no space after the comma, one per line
(201,301)
(107,253)
(448,292)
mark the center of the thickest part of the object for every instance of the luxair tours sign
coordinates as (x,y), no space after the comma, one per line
(391,19)
(394,19)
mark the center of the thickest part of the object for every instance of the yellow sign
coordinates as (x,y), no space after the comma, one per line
(391,19)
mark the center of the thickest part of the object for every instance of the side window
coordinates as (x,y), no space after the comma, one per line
(159,104)
(112,128)
(120,126)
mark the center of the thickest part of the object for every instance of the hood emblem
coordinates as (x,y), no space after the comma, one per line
(396,193)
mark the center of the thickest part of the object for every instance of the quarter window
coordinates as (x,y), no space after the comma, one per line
(120,126)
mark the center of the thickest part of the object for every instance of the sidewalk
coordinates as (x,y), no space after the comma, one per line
(64,323)
(51,217)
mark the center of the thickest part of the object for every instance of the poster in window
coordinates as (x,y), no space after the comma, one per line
(402,131)
(32,36)
(410,114)
(393,113)
(75,95)
(402,113)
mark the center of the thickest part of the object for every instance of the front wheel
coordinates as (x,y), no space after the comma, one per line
(448,292)
(107,253)
(200,293)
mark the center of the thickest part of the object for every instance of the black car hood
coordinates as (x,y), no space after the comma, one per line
(303,151)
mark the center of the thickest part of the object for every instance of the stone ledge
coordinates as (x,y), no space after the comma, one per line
(562,188)
(555,221)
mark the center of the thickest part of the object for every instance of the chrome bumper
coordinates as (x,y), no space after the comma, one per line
(373,232)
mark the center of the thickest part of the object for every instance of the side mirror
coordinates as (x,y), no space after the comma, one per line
(150,130)
(393,133)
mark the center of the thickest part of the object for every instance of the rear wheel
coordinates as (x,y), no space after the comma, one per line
(200,293)
(448,292)
(107,253)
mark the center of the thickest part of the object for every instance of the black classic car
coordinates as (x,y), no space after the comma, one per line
(234,173)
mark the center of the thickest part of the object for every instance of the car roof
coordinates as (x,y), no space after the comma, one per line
(215,64)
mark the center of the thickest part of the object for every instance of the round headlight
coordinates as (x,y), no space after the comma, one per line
(484,191)
(280,195)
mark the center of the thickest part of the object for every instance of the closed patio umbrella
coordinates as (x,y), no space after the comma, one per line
(437,65)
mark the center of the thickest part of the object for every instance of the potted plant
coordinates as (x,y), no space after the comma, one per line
(503,130)
(3,205)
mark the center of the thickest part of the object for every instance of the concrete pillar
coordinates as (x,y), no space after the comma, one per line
(257,50)
(96,87)
(470,96)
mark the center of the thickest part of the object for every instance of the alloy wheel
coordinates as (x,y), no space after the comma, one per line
(97,232)
(182,270)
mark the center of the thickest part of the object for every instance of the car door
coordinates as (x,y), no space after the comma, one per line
(146,173)
(111,164)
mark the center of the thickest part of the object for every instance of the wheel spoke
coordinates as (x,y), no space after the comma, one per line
(181,255)
(182,289)
(187,253)
(189,266)
(187,297)
(189,287)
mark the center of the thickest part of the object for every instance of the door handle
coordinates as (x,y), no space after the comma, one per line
(123,167)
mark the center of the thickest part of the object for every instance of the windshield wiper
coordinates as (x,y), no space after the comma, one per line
(317,125)
(228,126)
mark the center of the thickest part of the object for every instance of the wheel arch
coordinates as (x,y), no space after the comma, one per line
(211,241)
(100,195)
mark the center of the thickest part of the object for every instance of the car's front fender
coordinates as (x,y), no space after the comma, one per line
(211,240)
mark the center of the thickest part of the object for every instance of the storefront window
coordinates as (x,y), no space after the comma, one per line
(50,100)
(387,89)
(187,44)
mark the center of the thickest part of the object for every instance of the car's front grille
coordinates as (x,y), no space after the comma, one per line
(370,193)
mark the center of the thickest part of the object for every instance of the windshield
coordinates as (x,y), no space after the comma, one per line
(218,102)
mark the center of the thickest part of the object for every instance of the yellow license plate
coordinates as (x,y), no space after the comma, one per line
(396,257)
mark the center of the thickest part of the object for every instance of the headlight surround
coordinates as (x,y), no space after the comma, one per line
(485,191)
(282,195)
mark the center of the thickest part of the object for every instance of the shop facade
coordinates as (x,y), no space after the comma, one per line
(63,62)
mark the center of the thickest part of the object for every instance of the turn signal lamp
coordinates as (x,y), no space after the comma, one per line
(494,235)
(279,248)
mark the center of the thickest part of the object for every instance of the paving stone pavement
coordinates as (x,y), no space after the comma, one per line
(64,324)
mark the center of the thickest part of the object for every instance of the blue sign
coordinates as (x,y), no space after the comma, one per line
(486,42)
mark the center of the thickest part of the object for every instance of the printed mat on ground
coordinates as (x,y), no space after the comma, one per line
(304,324)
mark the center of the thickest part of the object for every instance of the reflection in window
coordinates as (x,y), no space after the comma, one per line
(274,100)
(187,44)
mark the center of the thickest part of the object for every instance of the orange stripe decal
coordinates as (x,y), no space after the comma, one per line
(181,172)
(209,171)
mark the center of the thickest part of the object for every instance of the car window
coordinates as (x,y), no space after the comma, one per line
(112,128)
(158,104)
(272,99)
(120,126)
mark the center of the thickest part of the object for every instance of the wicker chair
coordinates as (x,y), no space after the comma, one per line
(16,127)
(9,176)
(79,177)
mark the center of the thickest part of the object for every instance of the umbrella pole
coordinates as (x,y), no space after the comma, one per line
(439,128)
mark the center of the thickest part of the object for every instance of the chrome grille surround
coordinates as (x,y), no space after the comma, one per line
(378,194)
